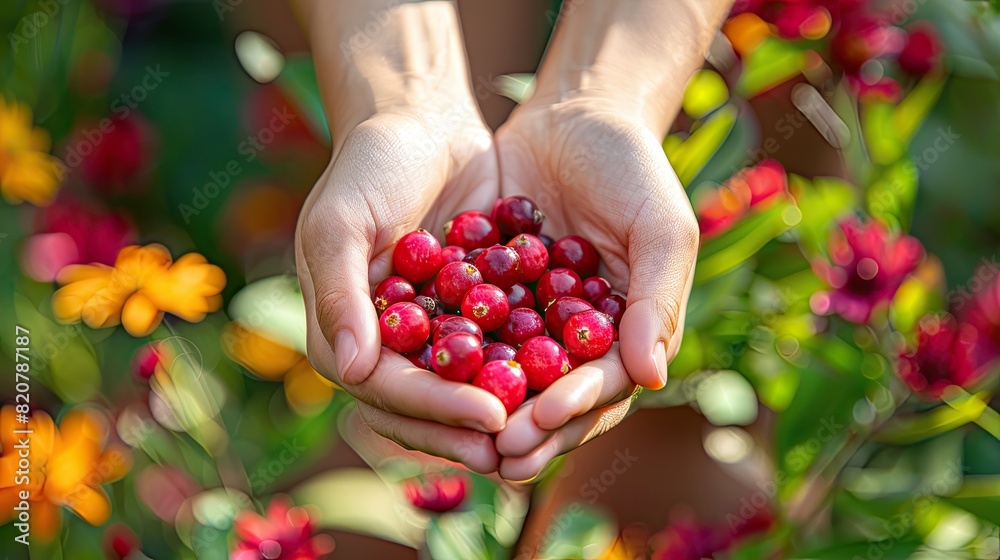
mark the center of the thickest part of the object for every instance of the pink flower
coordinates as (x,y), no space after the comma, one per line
(885,90)
(943,357)
(119,542)
(867,265)
(284,533)
(145,361)
(983,314)
(70,232)
(752,188)
(686,539)
(437,492)
(922,52)
(864,37)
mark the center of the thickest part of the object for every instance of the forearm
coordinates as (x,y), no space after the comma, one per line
(375,56)
(635,54)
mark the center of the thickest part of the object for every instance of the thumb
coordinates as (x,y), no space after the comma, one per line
(662,248)
(338,266)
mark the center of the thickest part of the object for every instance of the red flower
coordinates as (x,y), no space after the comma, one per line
(861,38)
(983,314)
(750,188)
(943,357)
(686,539)
(286,533)
(884,90)
(922,52)
(867,265)
(437,492)
(145,361)
(112,160)
(70,232)
(119,542)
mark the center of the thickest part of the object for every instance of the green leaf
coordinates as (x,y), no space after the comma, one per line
(712,296)
(461,535)
(516,87)
(986,508)
(726,398)
(690,156)
(706,91)
(578,532)
(730,249)
(884,142)
(911,112)
(298,81)
(772,63)
(905,430)
(822,202)
(889,549)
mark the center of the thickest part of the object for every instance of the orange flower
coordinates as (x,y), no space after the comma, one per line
(143,284)
(66,467)
(306,390)
(27,171)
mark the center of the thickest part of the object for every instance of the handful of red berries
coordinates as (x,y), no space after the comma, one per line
(478,315)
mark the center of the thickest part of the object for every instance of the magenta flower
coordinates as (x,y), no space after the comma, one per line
(922,52)
(943,357)
(983,314)
(111,160)
(284,533)
(437,492)
(867,265)
(69,232)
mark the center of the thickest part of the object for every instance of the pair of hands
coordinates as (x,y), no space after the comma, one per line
(594,170)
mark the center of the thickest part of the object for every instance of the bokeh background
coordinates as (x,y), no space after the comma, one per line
(834,396)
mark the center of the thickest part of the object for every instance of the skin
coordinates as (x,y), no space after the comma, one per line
(411,150)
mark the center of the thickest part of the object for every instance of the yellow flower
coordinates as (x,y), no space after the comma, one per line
(66,467)
(27,171)
(306,390)
(143,285)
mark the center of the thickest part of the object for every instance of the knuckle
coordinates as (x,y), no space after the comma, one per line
(330,302)
(669,310)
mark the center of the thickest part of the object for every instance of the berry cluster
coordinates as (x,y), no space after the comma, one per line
(501,305)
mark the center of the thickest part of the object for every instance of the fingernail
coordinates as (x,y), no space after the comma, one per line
(345,350)
(660,359)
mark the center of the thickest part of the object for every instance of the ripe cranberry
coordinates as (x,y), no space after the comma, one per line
(543,361)
(487,341)
(560,311)
(454,280)
(472,255)
(521,325)
(518,214)
(421,357)
(457,357)
(498,351)
(519,295)
(534,256)
(506,381)
(456,324)
(429,305)
(417,256)
(437,321)
(557,283)
(452,253)
(404,327)
(500,266)
(575,253)
(614,307)
(471,230)
(588,335)
(438,492)
(575,362)
(393,289)
(487,305)
(595,287)
(428,289)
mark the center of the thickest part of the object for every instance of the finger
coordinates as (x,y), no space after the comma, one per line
(522,434)
(396,434)
(662,247)
(574,434)
(592,384)
(399,387)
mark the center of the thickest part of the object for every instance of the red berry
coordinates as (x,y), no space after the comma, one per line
(471,256)
(534,256)
(543,361)
(518,214)
(428,289)
(428,303)
(560,311)
(546,240)
(455,324)
(498,351)
(457,357)
(588,335)
(557,283)
(417,256)
(595,287)
(521,325)
(421,357)
(437,492)
(470,230)
(506,381)
(404,327)
(613,306)
(393,289)
(487,305)
(519,295)
(500,266)
(575,253)
(454,281)
(452,253)
(437,321)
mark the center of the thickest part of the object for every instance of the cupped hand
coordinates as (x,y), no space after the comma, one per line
(393,173)
(600,173)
